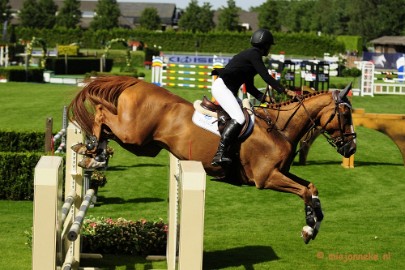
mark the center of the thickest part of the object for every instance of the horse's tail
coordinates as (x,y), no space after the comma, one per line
(104,91)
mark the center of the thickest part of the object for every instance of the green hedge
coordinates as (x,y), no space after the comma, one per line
(20,74)
(76,65)
(19,154)
(12,141)
(17,175)
(306,44)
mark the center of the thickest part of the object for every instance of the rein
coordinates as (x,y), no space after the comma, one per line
(334,142)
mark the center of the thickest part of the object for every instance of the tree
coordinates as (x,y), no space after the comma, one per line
(196,18)
(269,15)
(391,17)
(206,18)
(28,14)
(295,16)
(5,11)
(107,14)
(150,19)
(69,15)
(47,17)
(228,19)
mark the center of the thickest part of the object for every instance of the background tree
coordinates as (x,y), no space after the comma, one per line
(47,16)
(228,19)
(69,15)
(374,18)
(324,18)
(196,18)
(5,11)
(269,15)
(206,18)
(29,14)
(150,19)
(107,14)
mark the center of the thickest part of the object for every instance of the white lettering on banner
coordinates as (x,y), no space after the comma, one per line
(189,59)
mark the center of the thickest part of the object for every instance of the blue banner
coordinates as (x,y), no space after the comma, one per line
(196,59)
(384,60)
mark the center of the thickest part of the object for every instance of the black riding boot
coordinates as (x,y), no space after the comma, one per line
(230,133)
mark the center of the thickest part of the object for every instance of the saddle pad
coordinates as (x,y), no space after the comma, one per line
(210,123)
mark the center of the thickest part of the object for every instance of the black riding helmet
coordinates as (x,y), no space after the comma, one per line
(262,39)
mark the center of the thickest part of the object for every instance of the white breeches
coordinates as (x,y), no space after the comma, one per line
(227,100)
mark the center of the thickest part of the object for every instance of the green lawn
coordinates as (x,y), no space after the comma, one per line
(245,228)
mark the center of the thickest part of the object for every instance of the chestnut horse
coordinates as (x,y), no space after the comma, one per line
(145,118)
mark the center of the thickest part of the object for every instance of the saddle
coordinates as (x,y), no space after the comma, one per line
(210,108)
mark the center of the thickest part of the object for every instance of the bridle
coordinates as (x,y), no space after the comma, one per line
(341,140)
(336,142)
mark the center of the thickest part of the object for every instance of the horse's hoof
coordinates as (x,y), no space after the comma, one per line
(79,148)
(91,163)
(307,233)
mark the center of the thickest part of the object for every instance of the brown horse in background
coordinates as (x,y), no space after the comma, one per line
(144,119)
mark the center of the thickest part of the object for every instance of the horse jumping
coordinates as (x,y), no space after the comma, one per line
(144,119)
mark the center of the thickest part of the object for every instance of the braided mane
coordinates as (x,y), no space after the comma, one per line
(303,97)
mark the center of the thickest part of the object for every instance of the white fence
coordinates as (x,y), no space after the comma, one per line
(57,222)
(370,86)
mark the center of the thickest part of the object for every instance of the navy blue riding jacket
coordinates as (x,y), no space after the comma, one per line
(242,68)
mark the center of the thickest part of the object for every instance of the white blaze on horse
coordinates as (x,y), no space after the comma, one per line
(144,119)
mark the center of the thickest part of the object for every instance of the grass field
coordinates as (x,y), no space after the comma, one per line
(245,228)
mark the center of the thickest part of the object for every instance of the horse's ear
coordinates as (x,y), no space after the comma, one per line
(345,91)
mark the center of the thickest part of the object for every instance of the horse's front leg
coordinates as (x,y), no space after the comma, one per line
(313,210)
(308,192)
(95,147)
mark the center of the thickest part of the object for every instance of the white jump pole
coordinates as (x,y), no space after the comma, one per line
(1,56)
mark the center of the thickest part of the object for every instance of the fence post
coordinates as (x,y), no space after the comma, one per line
(47,198)
(186,213)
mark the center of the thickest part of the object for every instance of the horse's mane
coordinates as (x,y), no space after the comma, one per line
(301,98)
(103,90)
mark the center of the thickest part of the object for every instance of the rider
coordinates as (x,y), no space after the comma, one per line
(242,69)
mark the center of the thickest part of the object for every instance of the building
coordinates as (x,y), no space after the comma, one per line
(130,12)
(389,44)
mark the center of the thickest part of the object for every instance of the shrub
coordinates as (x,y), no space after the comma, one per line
(121,236)
(20,152)
(76,65)
(20,74)
(17,174)
(13,141)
